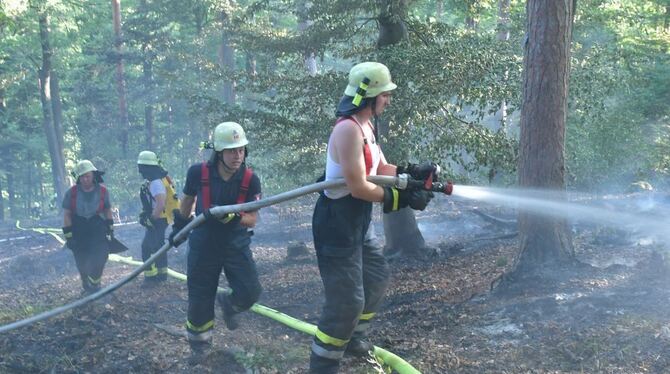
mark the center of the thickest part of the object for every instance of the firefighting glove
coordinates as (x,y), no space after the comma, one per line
(395,199)
(109,229)
(69,237)
(231,218)
(145,219)
(179,223)
(419,199)
(419,172)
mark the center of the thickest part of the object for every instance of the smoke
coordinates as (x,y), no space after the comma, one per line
(640,214)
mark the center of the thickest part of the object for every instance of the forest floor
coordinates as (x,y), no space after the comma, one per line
(442,312)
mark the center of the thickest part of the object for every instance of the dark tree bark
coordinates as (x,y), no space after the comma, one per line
(3,108)
(227,60)
(545,242)
(401,232)
(57,110)
(120,76)
(44,77)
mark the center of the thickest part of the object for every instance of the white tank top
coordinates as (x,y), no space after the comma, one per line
(334,170)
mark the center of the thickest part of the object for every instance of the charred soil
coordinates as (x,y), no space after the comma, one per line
(442,313)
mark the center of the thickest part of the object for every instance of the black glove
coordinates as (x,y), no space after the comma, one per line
(419,172)
(231,218)
(109,229)
(179,223)
(395,199)
(419,199)
(145,219)
(69,237)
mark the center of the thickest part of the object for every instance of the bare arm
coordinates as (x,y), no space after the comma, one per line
(159,206)
(348,146)
(108,213)
(384,167)
(186,205)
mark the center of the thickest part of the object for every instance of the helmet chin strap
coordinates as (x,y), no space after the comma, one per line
(226,168)
(376,119)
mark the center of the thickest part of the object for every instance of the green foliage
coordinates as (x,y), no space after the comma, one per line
(452,72)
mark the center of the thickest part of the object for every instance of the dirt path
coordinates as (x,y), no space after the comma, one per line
(439,313)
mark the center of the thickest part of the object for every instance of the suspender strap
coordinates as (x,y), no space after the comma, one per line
(367,153)
(73,199)
(103,191)
(244,187)
(204,182)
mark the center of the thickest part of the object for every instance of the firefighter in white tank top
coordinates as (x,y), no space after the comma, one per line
(354,270)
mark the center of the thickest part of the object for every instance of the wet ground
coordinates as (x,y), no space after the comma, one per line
(443,313)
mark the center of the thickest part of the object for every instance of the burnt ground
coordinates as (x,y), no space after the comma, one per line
(440,314)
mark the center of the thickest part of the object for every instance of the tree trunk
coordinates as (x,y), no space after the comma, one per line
(227,60)
(44,76)
(545,241)
(11,194)
(147,71)
(401,231)
(3,108)
(120,76)
(57,110)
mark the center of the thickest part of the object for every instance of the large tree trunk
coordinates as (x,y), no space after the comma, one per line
(401,232)
(44,76)
(120,76)
(227,60)
(3,108)
(57,110)
(545,241)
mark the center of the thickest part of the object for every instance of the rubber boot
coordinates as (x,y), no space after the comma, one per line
(359,347)
(228,311)
(199,351)
(322,365)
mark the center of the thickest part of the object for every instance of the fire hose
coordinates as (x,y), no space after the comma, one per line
(402,182)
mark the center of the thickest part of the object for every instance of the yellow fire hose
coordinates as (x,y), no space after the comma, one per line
(396,362)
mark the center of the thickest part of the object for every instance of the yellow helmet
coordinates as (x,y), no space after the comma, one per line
(83,167)
(371,77)
(228,135)
(147,158)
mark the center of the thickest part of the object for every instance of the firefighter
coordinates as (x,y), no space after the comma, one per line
(158,197)
(352,267)
(219,244)
(87,224)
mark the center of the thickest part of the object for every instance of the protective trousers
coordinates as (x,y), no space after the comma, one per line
(208,254)
(154,238)
(90,251)
(354,274)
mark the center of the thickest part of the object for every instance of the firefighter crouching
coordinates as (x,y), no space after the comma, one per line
(219,244)
(87,224)
(159,199)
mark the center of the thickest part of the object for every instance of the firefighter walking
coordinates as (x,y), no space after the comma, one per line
(87,224)
(353,269)
(219,244)
(158,199)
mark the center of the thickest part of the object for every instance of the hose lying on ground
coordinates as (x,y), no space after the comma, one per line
(397,363)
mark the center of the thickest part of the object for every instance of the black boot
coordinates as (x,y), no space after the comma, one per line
(228,311)
(322,365)
(199,351)
(359,347)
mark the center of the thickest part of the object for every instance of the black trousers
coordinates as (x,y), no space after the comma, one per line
(90,250)
(209,255)
(154,238)
(353,270)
